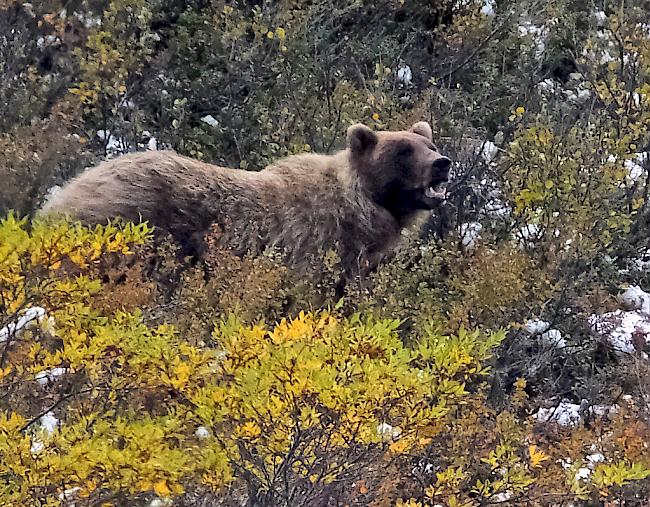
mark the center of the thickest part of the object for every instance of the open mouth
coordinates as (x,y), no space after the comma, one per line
(438,190)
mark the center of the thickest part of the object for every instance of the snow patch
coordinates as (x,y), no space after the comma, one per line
(527,235)
(69,494)
(113,144)
(37,446)
(48,376)
(30,319)
(405,75)
(547,86)
(470,234)
(582,474)
(634,170)
(594,459)
(537,33)
(565,414)
(161,502)
(502,497)
(496,208)
(210,120)
(487,9)
(49,422)
(202,432)
(554,338)
(622,329)
(635,298)
(535,327)
(489,151)
(600,17)
(48,40)
(579,96)
(51,192)
(388,433)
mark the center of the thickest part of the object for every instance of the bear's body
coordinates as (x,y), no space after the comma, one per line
(354,202)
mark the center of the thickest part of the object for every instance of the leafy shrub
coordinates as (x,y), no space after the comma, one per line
(292,408)
(103,408)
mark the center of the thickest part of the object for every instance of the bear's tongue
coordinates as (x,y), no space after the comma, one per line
(439,191)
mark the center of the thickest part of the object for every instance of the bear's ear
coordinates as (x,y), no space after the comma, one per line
(361,138)
(422,128)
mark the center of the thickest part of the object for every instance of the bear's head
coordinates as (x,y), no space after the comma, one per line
(403,171)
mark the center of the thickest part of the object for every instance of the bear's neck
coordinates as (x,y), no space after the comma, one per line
(395,199)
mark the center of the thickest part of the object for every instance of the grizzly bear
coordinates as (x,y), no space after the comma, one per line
(354,202)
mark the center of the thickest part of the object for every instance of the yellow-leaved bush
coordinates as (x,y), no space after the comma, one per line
(106,407)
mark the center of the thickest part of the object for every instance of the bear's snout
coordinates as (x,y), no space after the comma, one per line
(441,168)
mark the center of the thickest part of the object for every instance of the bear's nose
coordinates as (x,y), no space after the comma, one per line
(442,165)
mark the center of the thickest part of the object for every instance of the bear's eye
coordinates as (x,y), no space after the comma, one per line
(404,151)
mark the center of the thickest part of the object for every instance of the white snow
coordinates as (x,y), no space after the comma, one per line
(89,21)
(568,414)
(489,151)
(644,28)
(51,192)
(127,104)
(635,298)
(595,458)
(606,57)
(487,9)
(537,33)
(600,17)
(634,169)
(208,119)
(152,144)
(47,376)
(488,189)
(404,75)
(603,410)
(161,502)
(70,493)
(202,432)
(31,317)
(565,414)
(620,328)
(470,233)
(535,326)
(388,433)
(49,422)
(502,497)
(554,338)
(114,145)
(37,446)
(582,474)
(639,98)
(642,263)
(496,208)
(578,97)
(527,235)
(46,41)
(547,86)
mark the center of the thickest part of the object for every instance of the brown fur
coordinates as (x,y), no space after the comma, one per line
(354,201)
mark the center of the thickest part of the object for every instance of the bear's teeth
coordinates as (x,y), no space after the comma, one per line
(440,192)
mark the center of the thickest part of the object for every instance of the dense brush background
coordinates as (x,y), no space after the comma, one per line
(544,106)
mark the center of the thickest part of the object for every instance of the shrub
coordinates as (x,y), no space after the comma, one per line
(292,409)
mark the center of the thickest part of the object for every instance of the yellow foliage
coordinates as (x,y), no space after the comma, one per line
(295,398)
